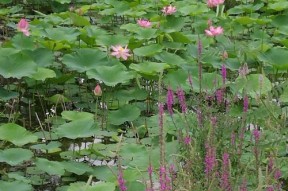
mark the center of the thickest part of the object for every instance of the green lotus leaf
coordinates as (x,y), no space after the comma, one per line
(107,186)
(111,75)
(63,1)
(58,98)
(108,40)
(16,134)
(43,73)
(76,167)
(149,68)
(42,57)
(15,156)
(276,56)
(173,24)
(6,95)
(78,20)
(76,115)
(149,50)
(257,84)
(16,65)
(278,6)
(22,42)
(171,59)
(125,113)
(62,34)
(51,147)
(50,167)
(77,129)
(84,59)
(15,185)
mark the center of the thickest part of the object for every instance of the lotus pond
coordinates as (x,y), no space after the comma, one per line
(143,95)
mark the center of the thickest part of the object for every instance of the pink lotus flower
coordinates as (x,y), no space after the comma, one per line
(144,23)
(214,3)
(169,10)
(23,26)
(214,31)
(97,90)
(120,52)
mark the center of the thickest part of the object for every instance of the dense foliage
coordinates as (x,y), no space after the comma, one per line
(143,95)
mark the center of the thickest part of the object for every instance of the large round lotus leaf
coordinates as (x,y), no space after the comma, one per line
(16,65)
(42,57)
(23,42)
(76,115)
(108,40)
(177,78)
(51,147)
(84,59)
(43,73)
(171,59)
(111,75)
(149,68)
(5,95)
(78,20)
(257,84)
(77,129)
(148,50)
(50,167)
(173,24)
(15,156)
(210,82)
(100,186)
(58,98)
(278,6)
(125,113)
(62,34)
(16,134)
(16,185)
(277,57)
(76,167)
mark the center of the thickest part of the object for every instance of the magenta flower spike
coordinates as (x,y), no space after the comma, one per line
(224,73)
(120,52)
(182,101)
(214,31)
(214,3)
(23,26)
(169,10)
(144,23)
(121,182)
(170,100)
(245,103)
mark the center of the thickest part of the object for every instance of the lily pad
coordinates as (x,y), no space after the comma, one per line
(111,75)
(277,57)
(125,113)
(75,115)
(149,68)
(50,167)
(15,185)
(16,65)
(77,129)
(16,134)
(148,50)
(43,73)
(84,59)
(15,156)
(76,167)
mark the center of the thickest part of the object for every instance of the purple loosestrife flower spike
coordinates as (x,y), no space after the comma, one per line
(210,160)
(225,183)
(170,100)
(245,103)
(243,186)
(164,179)
(181,98)
(256,134)
(121,182)
(219,96)
(223,73)
(187,140)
